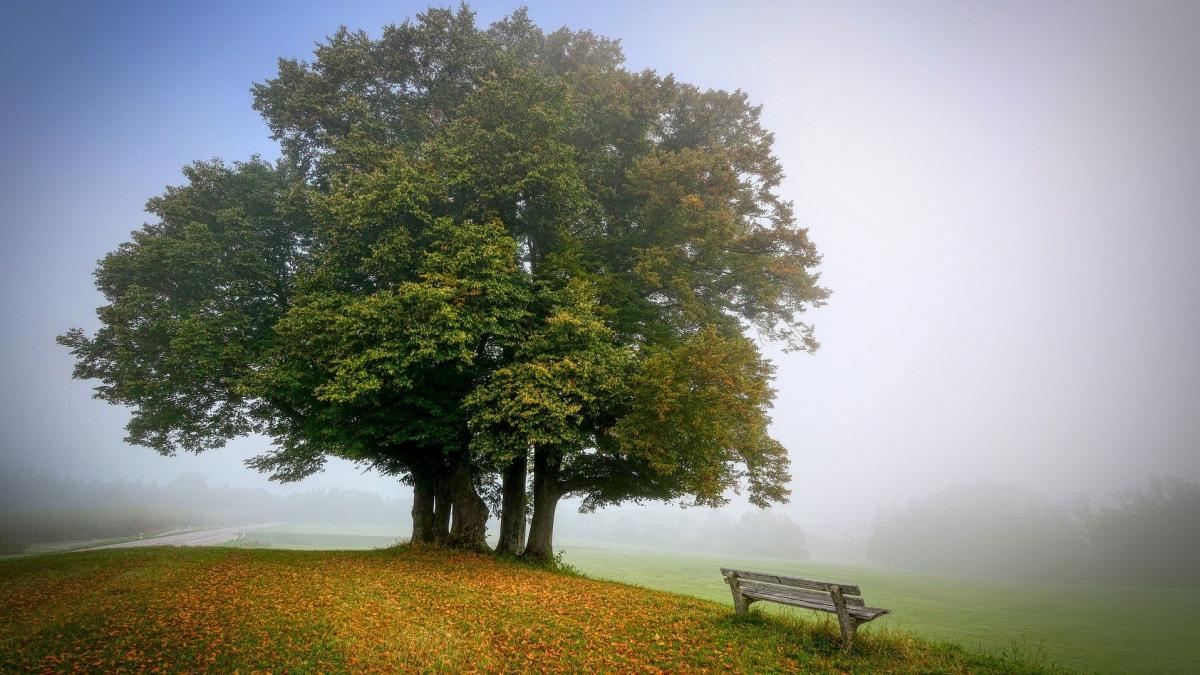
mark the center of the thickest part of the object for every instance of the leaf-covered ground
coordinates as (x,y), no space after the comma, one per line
(399,610)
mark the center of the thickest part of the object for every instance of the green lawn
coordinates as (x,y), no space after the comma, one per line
(1100,628)
(316,537)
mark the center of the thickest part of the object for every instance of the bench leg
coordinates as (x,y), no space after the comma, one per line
(847,623)
(741,604)
(849,628)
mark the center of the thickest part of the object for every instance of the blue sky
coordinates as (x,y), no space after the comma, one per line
(1004,194)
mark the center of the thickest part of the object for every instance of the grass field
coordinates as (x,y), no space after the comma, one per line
(318,537)
(226,609)
(1098,628)
(1106,629)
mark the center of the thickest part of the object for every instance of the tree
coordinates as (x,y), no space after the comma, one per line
(1147,536)
(381,372)
(193,302)
(481,247)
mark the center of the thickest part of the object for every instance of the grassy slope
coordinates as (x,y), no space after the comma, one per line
(1101,628)
(226,609)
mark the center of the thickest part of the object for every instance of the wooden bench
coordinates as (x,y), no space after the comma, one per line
(845,600)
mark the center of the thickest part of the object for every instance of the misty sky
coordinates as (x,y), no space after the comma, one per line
(1005,195)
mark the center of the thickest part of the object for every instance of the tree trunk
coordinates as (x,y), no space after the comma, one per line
(441,510)
(468,528)
(512,513)
(524,526)
(546,493)
(422,510)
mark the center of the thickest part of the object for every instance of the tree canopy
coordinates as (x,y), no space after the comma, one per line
(481,246)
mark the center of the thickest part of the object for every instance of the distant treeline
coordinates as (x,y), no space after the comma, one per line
(42,508)
(1147,537)
(757,533)
(19,529)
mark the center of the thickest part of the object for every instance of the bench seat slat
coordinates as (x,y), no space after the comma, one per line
(867,613)
(811,603)
(800,593)
(797,582)
(861,613)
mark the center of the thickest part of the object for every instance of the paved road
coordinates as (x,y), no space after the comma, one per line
(200,538)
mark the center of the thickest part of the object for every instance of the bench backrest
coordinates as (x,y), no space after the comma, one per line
(794,586)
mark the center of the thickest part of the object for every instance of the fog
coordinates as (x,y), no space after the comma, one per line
(1004,195)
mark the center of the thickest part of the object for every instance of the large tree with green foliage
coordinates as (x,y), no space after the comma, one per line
(482,250)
